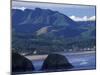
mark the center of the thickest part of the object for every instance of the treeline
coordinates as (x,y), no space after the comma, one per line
(42,45)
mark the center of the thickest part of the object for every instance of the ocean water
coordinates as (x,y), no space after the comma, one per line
(80,61)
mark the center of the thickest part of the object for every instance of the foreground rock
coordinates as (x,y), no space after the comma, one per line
(21,64)
(56,62)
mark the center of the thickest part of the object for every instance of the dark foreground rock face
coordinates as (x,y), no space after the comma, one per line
(21,64)
(55,62)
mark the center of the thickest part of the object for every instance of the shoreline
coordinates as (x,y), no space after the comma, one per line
(42,57)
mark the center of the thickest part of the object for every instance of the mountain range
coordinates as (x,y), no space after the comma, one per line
(45,21)
(47,27)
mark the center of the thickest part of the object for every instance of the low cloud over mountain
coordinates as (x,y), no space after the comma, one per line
(84,18)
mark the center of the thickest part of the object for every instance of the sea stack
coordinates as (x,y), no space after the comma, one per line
(56,62)
(21,64)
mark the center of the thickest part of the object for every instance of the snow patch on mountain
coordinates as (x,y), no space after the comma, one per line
(42,30)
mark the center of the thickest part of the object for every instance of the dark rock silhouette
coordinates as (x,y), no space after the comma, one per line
(21,64)
(55,62)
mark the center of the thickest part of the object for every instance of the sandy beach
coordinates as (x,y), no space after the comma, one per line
(42,57)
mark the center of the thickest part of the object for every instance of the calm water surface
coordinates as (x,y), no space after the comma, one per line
(80,61)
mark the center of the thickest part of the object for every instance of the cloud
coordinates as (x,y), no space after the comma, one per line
(92,18)
(84,18)
(21,8)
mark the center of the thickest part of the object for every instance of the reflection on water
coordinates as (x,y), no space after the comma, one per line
(80,61)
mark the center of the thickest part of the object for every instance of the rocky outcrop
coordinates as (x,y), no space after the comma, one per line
(21,64)
(55,62)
